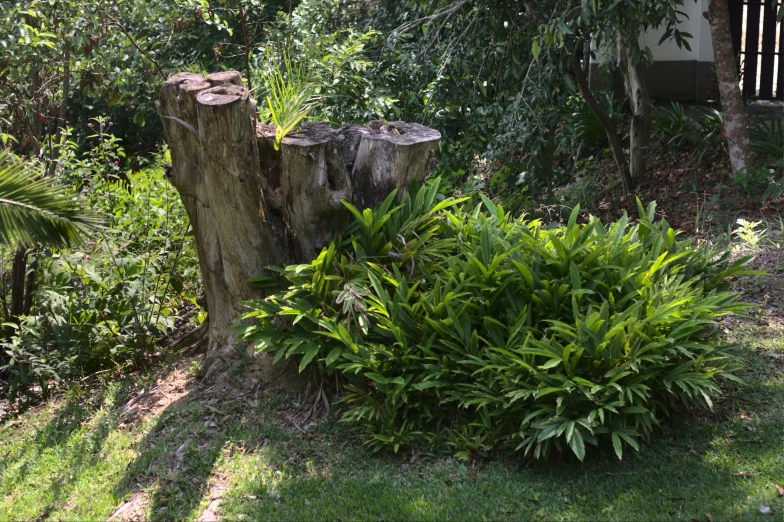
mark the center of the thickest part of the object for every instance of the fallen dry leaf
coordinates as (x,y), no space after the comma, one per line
(709,517)
(181,450)
(224,419)
(744,475)
(213,409)
(780,490)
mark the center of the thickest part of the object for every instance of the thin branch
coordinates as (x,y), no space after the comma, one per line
(456,40)
(435,36)
(581,70)
(168,281)
(131,301)
(404,28)
(128,35)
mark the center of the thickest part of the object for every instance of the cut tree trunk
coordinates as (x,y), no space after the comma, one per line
(738,140)
(63,112)
(252,206)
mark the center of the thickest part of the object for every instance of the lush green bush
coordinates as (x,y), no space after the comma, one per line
(108,57)
(478,331)
(468,74)
(698,129)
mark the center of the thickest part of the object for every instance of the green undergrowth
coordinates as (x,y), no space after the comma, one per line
(469,330)
(72,459)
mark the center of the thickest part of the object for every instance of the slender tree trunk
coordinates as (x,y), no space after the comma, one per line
(3,296)
(735,128)
(609,125)
(66,80)
(36,117)
(247,44)
(640,128)
(6,311)
(30,280)
(18,284)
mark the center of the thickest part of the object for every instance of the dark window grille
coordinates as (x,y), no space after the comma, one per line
(758,39)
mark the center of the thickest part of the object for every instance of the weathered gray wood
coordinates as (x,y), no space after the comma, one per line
(313,182)
(177,107)
(225,78)
(230,165)
(391,157)
(251,205)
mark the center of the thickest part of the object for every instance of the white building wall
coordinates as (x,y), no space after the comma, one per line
(668,51)
(677,73)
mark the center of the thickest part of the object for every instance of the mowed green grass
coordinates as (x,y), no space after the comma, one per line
(71,459)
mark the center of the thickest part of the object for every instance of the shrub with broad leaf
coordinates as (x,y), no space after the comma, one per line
(473,330)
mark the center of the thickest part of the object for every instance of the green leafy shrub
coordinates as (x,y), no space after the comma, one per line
(319,76)
(586,130)
(767,140)
(480,331)
(673,127)
(107,301)
(291,95)
(700,129)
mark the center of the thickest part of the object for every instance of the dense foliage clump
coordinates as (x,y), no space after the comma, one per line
(479,331)
(104,302)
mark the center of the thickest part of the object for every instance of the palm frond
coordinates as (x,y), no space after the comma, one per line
(33,209)
(291,95)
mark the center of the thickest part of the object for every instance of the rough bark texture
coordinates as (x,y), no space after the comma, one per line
(252,206)
(729,89)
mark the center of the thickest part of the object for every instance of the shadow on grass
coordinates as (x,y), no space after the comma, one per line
(176,459)
(725,464)
(680,475)
(227,445)
(76,434)
(77,411)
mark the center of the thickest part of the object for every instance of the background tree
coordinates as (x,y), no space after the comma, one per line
(735,128)
(70,60)
(584,29)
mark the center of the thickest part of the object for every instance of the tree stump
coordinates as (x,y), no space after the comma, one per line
(252,206)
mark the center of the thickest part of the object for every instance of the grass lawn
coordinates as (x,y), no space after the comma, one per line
(162,446)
